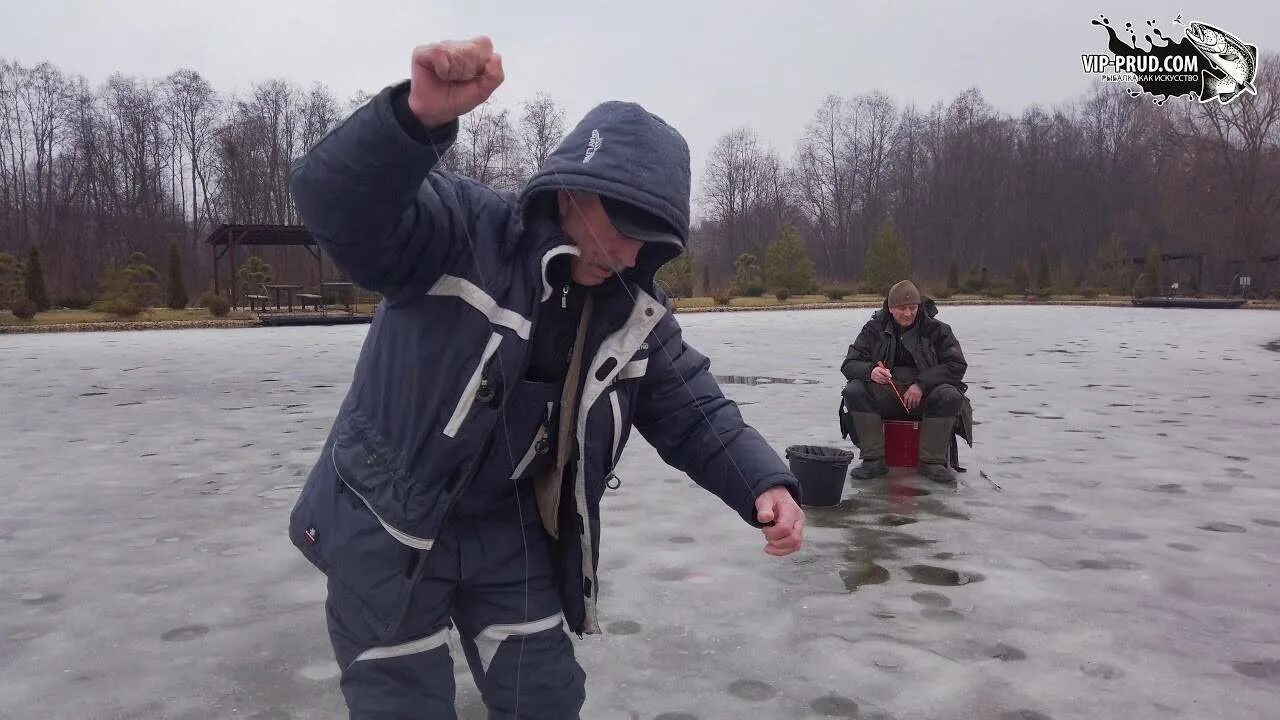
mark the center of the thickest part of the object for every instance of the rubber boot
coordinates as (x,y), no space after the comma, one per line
(935,444)
(870,428)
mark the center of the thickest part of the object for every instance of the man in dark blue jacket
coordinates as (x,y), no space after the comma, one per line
(519,340)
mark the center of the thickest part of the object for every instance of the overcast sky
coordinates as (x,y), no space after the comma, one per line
(706,67)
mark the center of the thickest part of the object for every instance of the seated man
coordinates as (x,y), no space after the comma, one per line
(906,364)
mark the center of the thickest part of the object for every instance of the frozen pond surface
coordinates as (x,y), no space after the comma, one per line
(1128,568)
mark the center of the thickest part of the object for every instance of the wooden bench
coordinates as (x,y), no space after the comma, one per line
(305,299)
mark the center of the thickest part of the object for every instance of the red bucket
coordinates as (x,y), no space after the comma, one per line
(902,443)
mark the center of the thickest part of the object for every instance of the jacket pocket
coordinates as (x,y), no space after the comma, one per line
(344,539)
(475,385)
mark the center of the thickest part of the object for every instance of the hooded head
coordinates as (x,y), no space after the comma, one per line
(619,185)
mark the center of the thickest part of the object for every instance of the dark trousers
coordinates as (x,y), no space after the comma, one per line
(491,577)
(871,403)
(869,397)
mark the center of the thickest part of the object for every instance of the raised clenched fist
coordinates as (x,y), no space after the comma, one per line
(451,78)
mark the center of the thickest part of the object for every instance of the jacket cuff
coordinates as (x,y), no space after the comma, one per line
(787,481)
(440,138)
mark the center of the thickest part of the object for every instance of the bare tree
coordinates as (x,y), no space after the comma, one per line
(195,109)
(486,149)
(1238,144)
(541,128)
(825,179)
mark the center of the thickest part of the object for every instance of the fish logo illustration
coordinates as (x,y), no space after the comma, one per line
(1232,58)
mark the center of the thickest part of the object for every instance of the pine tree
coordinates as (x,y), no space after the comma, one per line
(177,286)
(34,283)
(888,260)
(787,266)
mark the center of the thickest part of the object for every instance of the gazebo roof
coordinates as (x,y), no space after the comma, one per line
(260,235)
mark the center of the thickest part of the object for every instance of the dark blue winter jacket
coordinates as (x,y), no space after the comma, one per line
(461,268)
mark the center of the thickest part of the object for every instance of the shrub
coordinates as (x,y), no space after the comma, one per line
(24,309)
(998,289)
(722,298)
(782,294)
(74,302)
(835,292)
(119,306)
(207,297)
(218,306)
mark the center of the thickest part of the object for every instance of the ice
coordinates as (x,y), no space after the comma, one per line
(1126,569)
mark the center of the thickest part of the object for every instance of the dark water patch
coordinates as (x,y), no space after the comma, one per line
(1114,534)
(901,490)
(1107,564)
(1222,527)
(1023,714)
(932,599)
(837,516)
(39,598)
(897,520)
(946,577)
(672,574)
(865,573)
(1184,547)
(676,716)
(1261,669)
(1049,512)
(942,615)
(873,543)
(1171,489)
(187,632)
(938,508)
(835,706)
(1238,458)
(1218,487)
(91,394)
(681,539)
(753,690)
(1267,523)
(1101,671)
(1005,653)
(623,627)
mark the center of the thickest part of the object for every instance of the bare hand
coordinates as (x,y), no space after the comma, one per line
(913,397)
(880,375)
(776,506)
(450,79)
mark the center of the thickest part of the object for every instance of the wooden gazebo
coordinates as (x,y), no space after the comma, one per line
(226,239)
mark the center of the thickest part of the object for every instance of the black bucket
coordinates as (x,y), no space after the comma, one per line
(821,472)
